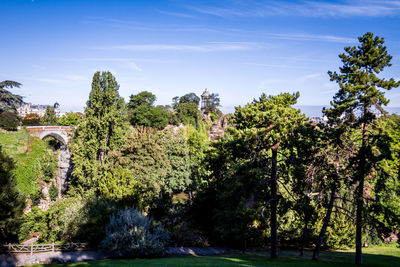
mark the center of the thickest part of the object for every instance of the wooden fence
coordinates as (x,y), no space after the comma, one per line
(17,248)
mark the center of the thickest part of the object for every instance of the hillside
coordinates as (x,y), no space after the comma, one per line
(35,161)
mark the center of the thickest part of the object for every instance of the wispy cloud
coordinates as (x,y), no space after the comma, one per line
(47,80)
(285,66)
(208,47)
(268,8)
(135,26)
(309,77)
(121,60)
(311,37)
(76,77)
(177,14)
(132,65)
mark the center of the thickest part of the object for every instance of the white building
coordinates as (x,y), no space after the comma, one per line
(28,108)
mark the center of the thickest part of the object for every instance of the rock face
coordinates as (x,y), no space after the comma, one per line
(218,127)
(64,169)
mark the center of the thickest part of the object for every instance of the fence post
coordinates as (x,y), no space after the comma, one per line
(31,249)
(52,247)
(9,247)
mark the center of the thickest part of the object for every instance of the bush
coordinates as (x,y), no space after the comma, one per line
(132,233)
(53,192)
(31,119)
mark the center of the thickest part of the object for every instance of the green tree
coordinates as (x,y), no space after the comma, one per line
(188,98)
(144,98)
(8,100)
(11,200)
(212,104)
(359,98)
(49,118)
(9,120)
(152,164)
(186,109)
(69,119)
(102,130)
(31,119)
(143,112)
(273,119)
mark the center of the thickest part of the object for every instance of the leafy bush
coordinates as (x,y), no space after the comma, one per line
(69,220)
(31,119)
(132,233)
(53,192)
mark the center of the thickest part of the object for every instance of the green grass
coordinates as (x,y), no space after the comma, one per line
(387,255)
(28,153)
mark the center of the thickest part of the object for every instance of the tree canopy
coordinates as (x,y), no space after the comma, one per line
(8,100)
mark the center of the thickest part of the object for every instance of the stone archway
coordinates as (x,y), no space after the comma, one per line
(63,139)
(64,155)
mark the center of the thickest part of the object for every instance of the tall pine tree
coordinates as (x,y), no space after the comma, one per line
(357,102)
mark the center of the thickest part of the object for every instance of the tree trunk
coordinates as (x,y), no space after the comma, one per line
(304,236)
(326,223)
(274,235)
(360,196)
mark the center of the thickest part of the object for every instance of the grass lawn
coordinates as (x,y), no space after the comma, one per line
(387,255)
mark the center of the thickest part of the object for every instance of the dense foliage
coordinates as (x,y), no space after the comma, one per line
(11,200)
(100,131)
(274,178)
(9,120)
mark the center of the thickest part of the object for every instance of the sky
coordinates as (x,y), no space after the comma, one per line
(238,49)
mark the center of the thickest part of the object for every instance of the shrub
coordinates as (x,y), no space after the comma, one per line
(53,192)
(132,233)
(31,119)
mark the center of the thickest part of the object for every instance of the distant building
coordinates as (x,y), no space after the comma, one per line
(28,108)
(205,100)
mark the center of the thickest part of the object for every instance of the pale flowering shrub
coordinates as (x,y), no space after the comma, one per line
(132,233)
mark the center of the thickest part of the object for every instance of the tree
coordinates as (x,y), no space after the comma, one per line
(143,112)
(49,117)
(143,98)
(102,130)
(9,120)
(274,119)
(9,101)
(11,200)
(188,98)
(31,119)
(359,98)
(70,119)
(212,103)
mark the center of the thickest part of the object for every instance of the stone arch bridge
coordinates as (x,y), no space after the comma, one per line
(61,133)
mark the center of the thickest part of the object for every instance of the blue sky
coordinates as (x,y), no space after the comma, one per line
(238,49)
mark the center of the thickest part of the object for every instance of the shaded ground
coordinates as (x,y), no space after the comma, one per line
(388,255)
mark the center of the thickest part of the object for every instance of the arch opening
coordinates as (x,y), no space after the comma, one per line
(56,136)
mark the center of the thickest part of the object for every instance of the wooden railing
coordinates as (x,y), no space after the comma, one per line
(17,248)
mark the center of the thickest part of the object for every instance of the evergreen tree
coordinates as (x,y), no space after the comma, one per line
(359,98)
(11,201)
(9,101)
(49,117)
(101,130)
(274,119)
